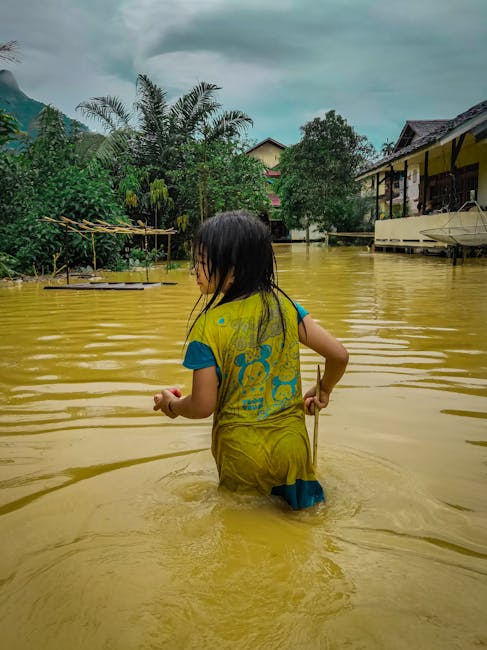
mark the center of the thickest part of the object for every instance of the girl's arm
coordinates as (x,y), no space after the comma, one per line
(336,358)
(200,404)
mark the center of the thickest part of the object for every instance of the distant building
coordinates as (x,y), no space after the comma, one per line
(269,153)
(436,166)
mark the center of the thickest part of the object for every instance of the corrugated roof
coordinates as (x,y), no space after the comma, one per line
(424,127)
(439,131)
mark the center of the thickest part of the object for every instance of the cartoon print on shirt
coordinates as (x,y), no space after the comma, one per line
(285,384)
(283,390)
(247,334)
(254,366)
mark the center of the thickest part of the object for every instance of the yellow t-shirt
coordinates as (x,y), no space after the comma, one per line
(259,437)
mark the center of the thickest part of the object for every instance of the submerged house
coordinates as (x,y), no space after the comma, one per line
(436,172)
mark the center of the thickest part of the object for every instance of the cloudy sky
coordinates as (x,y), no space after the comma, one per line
(283,62)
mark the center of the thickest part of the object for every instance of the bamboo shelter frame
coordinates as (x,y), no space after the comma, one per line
(98,226)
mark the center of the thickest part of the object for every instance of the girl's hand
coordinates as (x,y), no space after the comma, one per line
(311,401)
(163,399)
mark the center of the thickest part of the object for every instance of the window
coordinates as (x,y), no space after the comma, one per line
(449,191)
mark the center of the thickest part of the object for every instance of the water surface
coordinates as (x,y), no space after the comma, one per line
(114,534)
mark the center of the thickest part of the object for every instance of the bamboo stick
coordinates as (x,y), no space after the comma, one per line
(317,416)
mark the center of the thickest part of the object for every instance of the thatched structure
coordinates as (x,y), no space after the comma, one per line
(98,226)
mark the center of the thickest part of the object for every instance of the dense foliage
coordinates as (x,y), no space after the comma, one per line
(233,180)
(318,175)
(49,179)
(165,165)
(9,127)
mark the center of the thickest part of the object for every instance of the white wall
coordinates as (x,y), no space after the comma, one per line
(300,235)
(406,231)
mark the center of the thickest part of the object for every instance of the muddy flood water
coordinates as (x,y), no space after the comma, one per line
(115,536)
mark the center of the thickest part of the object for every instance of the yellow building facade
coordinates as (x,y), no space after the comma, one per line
(438,168)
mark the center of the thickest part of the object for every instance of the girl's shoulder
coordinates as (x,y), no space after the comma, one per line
(247,307)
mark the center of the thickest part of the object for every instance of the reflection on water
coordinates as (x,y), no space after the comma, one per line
(115,534)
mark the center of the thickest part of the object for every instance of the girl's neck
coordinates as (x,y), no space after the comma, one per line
(224,300)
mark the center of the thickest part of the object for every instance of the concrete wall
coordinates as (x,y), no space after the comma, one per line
(405,232)
(300,235)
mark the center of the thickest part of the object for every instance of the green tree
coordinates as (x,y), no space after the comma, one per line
(163,139)
(317,184)
(49,180)
(9,127)
(387,148)
(160,128)
(158,197)
(233,180)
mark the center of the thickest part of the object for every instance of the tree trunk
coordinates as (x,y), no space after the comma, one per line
(205,188)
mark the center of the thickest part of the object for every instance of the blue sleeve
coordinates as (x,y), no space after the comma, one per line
(301,311)
(198,355)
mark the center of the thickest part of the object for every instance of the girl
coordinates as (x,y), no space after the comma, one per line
(244,352)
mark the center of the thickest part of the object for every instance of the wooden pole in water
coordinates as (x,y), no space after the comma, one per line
(66,253)
(94,251)
(168,260)
(317,415)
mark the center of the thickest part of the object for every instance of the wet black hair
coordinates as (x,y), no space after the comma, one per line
(239,243)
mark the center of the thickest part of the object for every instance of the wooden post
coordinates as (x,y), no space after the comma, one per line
(146,254)
(405,189)
(425,182)
(455,150)
(391,183)
(377,183)
(94,251)
(155,227)
(66,252)
(168,252)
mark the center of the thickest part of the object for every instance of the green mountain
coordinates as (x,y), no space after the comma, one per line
(24,108)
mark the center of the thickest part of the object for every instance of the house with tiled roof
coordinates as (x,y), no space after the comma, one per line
(269,151)
(413,130)
(436,169)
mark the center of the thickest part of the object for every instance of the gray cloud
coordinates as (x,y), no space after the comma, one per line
(377,63)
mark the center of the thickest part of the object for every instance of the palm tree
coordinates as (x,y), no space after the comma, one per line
(157,139)
(198,116)
(110,111)
(162,128)
(387,148)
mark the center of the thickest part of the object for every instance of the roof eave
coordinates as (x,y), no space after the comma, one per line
(463,128)
(271,140)
(440,141)
(386,166)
